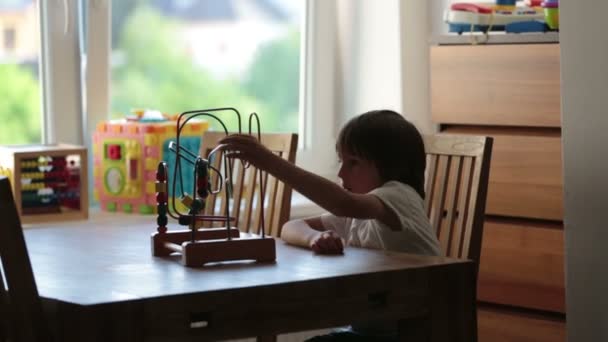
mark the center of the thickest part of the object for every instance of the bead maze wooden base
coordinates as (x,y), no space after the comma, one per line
(213,245)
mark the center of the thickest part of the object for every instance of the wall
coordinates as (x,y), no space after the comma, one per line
(369,57)
(584,68)
(415,26)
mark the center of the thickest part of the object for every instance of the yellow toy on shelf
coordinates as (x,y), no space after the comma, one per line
(126,153)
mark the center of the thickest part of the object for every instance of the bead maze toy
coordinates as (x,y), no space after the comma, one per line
(125,155)
(49,181)
(197,245)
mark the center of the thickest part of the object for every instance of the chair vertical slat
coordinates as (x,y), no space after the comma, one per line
(271,195)
(222,196)
(210,204)
(275,224)
(258,207)
(238,194)
(264,210)
(250,196)
(449,231)
(464,207)
(443,164)
(453,249)
(430,183)
(474,185)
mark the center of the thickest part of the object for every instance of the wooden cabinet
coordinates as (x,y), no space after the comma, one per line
(512,93)
(526,171)
(507,85)
(522,264)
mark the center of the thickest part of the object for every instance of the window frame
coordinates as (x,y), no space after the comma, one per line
(60,72)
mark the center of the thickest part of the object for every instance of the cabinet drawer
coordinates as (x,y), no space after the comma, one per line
(525,172)
(522,264)
(505,85)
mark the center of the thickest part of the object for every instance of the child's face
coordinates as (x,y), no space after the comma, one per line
(358,175)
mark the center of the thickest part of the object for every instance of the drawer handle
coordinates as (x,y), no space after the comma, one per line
(200,320)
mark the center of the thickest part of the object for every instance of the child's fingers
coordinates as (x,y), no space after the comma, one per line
(237,139)
(339,245)
(330,245)
(315,248)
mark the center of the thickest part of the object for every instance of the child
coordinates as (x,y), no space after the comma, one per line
(380,204)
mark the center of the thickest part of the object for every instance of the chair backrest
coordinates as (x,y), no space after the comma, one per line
(458,168)
(246,192)
(23,318)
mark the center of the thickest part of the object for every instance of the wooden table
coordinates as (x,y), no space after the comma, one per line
(99,282)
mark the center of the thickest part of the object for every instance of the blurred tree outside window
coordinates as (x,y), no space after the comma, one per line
(20,94)
(175,56)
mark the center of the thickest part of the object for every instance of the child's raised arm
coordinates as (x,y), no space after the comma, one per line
(327,194)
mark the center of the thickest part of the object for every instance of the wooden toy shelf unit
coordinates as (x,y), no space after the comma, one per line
(49,181)
(198,245)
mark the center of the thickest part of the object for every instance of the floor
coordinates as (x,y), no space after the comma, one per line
(499,324)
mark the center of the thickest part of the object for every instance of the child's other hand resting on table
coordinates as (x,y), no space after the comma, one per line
(327,242)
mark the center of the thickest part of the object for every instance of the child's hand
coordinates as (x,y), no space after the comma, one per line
(247,148)
(327,242)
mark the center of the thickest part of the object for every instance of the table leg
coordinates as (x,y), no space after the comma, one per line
(453,315)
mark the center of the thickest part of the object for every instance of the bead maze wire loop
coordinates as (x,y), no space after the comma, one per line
(201,170)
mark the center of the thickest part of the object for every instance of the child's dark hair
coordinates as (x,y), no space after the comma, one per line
(392,143)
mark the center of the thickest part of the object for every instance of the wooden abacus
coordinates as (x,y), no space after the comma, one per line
(197,245)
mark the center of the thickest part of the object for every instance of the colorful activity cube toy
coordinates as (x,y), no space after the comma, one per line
(49,181)
(126,154)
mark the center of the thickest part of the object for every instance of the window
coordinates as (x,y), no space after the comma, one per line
(20,110)
(175,56)
(225,83)
(88,76)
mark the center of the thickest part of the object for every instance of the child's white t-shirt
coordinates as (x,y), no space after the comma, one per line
(414,235)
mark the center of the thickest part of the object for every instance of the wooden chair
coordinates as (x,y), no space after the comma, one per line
(246,192)
(22,314)
(458,168)
(456,186)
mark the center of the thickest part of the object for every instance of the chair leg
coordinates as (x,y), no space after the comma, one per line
(267,338)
